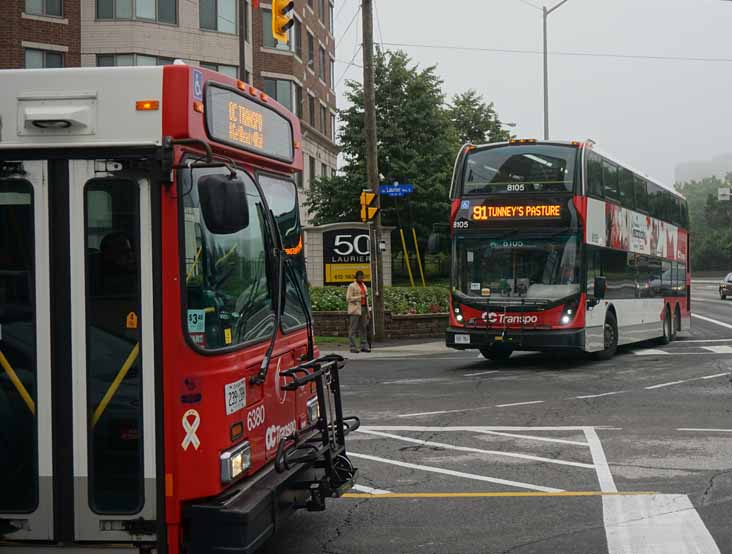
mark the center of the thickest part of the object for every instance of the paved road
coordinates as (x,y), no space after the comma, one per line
(538,454)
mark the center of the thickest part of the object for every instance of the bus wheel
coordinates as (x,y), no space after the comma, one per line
(611,338)
(668,334)
(677,321)
(497,353)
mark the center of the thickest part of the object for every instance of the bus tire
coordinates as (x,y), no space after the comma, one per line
(677,321)
(722,296)
(668,334)
(611,338)
(497,354)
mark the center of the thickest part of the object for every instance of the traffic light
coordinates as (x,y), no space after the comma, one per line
(368,212)
(281,20)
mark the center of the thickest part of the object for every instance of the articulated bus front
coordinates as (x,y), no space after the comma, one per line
(516,249)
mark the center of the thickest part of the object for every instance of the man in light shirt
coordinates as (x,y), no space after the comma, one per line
(358,313)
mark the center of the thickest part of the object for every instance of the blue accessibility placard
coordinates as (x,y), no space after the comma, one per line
(197,85)
(397,189)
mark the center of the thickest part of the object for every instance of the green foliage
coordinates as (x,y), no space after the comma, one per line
(475,120)
(397,300)
(710,223)
(418,142)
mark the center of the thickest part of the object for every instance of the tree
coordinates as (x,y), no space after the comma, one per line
(475,120)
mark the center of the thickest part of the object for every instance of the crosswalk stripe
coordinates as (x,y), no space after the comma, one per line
(719,349)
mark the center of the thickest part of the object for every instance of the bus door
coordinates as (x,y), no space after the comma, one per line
(77,434)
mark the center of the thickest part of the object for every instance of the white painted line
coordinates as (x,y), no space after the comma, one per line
(417,381)
(655,524)
(480,450)
(598,395)
(705,430)
(452,473)
(480,373)
(604,477)
(369,490)
(478,428)
(519,404)
(418,414)
(719,349)
(716,375)
(703,340)
(650,352)
(667,384)
(531,437)
(710,320)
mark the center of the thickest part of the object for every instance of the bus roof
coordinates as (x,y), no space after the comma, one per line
(591,145)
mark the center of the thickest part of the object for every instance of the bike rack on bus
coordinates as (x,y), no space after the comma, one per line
(326,448)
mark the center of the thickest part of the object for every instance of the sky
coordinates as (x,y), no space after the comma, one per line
(651,114)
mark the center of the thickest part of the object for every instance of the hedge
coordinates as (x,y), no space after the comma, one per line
(398,300)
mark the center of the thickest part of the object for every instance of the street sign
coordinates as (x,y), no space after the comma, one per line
(723,193)
(368,212)
(396,190)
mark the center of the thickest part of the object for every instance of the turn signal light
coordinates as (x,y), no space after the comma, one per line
(198,106)
(147,105)
(522,141)
(241,85)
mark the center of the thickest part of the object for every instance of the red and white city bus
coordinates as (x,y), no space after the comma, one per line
(556,246)
(159,386)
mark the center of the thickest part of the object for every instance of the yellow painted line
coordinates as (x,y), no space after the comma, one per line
(18,384)
(492,494)
(112,390)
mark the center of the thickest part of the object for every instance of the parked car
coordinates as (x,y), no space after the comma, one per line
(725,287)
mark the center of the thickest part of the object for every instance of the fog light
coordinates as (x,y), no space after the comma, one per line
(313,407)
(565,319)
(235,461)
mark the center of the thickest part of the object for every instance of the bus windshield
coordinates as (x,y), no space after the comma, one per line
(520,168)
(545,269)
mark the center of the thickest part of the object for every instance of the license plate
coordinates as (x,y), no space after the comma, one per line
(462,339)
(236,396)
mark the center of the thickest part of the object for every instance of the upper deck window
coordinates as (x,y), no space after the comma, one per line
(521,168)
(53,8)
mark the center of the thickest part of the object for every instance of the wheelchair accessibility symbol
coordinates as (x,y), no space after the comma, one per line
(197,85)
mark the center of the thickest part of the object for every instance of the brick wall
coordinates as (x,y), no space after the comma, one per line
(421,326)
(17,27)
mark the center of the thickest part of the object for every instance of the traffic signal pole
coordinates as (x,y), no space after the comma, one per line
(372,165)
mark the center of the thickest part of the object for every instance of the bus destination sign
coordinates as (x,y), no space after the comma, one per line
(243,123)
(542,211)
(503,214)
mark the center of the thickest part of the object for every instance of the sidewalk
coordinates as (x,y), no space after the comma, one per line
(393,349)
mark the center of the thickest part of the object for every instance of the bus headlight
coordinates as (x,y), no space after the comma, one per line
(458,314)
(570,310)
(235,461)
(313,408)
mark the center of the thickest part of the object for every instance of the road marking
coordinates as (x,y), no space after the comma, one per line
(650,352)
(480,373)
(716,375)
(604,477)
(597,395)
(532,437)
(418,414)
(710,320)
(719,349)
(705,430)
(479,428)
(452,473)
(519,404)
(479,450)
(684,341)
(654,524)
(419,381)
(494,494)
(369,491)
(667,384)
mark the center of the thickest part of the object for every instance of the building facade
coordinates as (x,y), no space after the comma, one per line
(300,75)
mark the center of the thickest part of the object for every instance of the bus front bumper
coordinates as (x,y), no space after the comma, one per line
(516,339)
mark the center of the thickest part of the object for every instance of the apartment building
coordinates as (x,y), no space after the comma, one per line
(300,75)
(39,33)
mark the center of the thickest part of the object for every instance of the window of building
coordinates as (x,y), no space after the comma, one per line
(119,60)
(163,11)
(297,38)
(321,69)
(247,76)
(310,4)
(332,172)
(44,7)
(323,119)
(311,110)
(280,90)
(228,70)
(311,51)
(331,73)
(323,170)
(43,59)
(331,19)
(218,15)
(321,10)
(332,126)
(297,108)
(245,15)
(268,41)
(311,173)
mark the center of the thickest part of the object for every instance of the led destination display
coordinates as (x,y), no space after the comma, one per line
(484,213)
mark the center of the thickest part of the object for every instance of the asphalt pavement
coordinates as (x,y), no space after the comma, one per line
(538,454)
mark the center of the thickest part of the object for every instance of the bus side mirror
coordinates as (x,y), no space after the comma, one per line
(600,287)
(223,204)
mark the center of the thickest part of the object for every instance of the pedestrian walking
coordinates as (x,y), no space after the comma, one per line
(358,314)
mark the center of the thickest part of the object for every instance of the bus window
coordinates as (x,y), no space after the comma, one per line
(18,472)
(594,175)
(627,197)
(610,180)
(667,280)
(113,336)
(641,194)
(619,270)
(281,197)
(649,277)
(227,276)
(655,200)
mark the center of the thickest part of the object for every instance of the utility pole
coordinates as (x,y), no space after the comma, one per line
(545,12)
(372,165)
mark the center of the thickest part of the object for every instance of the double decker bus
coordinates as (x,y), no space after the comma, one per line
(159,386)
(556,246)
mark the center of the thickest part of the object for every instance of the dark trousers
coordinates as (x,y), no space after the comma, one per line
(358,325)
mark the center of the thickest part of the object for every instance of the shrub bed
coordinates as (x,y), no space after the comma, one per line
(397,300)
